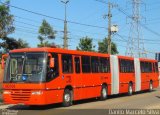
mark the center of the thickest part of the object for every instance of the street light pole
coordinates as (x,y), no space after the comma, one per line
(65,41)
(109,27)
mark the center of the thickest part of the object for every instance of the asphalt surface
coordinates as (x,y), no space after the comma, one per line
(141,100)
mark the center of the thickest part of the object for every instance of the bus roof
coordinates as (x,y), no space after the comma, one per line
(66,51)
(58,50)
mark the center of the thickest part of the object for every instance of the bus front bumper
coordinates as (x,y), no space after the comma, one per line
(24,97)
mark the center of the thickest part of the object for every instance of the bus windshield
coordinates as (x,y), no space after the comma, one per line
(26,67)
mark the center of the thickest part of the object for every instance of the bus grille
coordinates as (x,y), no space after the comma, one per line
(20,95)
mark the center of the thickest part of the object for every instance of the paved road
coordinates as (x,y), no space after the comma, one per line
(143,100)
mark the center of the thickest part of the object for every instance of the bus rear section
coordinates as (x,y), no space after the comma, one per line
(130,75)
(149,74)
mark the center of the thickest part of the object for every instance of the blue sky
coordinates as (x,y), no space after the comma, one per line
(87,12)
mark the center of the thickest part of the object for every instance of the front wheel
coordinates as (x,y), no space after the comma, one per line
(104,93)
(67,98)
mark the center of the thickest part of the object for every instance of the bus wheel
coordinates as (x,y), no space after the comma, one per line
(67,98)
(130,89)
(151,86)
(104,93)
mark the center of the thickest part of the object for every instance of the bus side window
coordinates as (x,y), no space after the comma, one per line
(77,64)
(86,64)
(67,63)
(156,67)
(52,73)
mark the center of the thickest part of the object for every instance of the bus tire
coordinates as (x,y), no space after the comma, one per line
(67,98)
(150,86)
(104,93)
(130,89)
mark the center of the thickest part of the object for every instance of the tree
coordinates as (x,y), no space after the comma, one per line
(46,32)
(11,43)
(6,28)
(22,43)
(44,44)
(103,47)
(86,44)
(6,20)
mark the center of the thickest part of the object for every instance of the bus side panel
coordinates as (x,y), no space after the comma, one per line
(77,95)
(155,78)
(55,96)
(155,83)
(109,89)
(91,86)
(98,80)
(125,78)
(93,92)
(115,75)
(145,81)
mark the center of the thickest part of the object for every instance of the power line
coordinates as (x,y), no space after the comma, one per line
(59,19)
(122,37)
(120,45)
(101,1)
(76,30)
(75,38)
(150,30)
(52,25)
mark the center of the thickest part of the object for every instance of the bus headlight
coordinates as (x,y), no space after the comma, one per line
(6,92)
(37,93)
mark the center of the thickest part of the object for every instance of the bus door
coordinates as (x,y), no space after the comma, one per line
(77,78)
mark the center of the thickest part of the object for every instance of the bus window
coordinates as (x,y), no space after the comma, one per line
(77,64)
(86,67)
(104,65)
(67,63)
(156,67)
(95,64)
(146,67)
(52,73)
(126,66)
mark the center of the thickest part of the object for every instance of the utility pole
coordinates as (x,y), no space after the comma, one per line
(109,27)
(115,27)
(65,38)
(135,45)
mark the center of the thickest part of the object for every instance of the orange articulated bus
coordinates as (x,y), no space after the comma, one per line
(41,76)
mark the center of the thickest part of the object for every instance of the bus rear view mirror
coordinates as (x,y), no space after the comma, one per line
(51,62)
